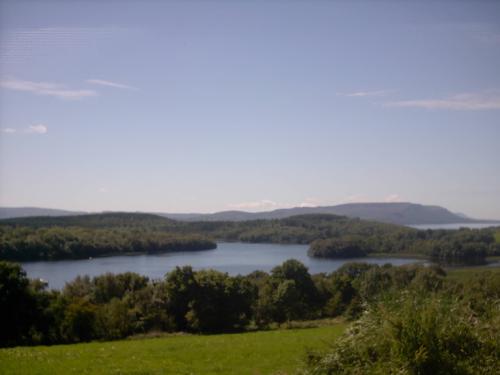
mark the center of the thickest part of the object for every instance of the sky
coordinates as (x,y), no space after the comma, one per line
(202,106)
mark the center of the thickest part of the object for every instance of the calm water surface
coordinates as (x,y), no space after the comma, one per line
(455,226)
(234,258)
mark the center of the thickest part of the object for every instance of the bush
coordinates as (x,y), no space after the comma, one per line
(413,334)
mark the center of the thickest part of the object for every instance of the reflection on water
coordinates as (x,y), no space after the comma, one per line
(234,258)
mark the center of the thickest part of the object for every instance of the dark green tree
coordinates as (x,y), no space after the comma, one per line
(18,308)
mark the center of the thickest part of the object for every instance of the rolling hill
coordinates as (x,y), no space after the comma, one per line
(401,213)
(395,213)
(13,212)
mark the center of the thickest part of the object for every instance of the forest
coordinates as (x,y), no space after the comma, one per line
(329,236)
(54,243)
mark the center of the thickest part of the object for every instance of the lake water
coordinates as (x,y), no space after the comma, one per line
(233,258)
(455,226)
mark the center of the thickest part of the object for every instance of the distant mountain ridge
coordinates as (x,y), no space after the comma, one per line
(402,213)
(14,212)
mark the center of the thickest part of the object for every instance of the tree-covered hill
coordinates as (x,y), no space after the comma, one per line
(400,213)
(104,220)
(13,212)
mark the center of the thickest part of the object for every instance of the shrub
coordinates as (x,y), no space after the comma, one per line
(415,335)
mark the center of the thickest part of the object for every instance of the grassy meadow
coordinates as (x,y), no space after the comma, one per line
(464,274)
(497,236)
(265,352)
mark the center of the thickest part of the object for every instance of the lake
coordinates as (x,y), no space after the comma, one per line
(455,226)
(233,258)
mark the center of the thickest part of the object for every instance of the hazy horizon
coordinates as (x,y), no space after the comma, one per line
(208,106)
(249,210)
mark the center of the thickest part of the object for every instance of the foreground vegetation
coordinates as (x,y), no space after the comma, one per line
(267,352)
(116,306)
(452,328)
(328,235)
(406,320)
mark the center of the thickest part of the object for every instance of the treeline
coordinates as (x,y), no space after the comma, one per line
(343,247)
(115,306)
(448,246)
(302,229)
(51,243)
(102,220)
(328,236)
(40,238)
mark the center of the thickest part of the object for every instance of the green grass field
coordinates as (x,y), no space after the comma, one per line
(266,352)
(497,236)
(466,273)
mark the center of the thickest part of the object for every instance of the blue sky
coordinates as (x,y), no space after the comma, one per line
(255,105)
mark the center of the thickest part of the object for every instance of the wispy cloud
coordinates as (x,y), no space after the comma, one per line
(309,202)
(267,204)
(103,82)
(32,129)
(360,94)
(460,102)
(256,205)
(46,88)
(393,198)
(37,129)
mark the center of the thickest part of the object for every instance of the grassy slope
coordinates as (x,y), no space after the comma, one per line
(466,273)
(266,352)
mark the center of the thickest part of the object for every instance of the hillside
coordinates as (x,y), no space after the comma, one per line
(400,213)
(13,212)
(102,220)
(394,213)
